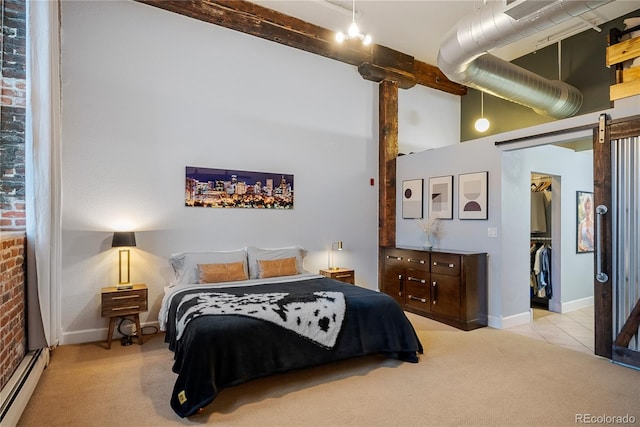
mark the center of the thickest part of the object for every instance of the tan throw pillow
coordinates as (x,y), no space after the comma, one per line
(214,273)
(277,267)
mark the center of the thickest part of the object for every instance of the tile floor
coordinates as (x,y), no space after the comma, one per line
(572,330)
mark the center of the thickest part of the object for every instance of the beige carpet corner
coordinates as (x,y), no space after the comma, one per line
(485,377)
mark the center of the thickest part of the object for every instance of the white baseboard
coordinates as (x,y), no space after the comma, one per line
(15,395)
(94,335)
(509,321)
(577,304)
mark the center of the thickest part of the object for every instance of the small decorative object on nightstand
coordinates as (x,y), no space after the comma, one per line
(346,275)
(122,303)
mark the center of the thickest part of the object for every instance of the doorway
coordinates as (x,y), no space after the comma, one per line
(544,260)
(566,316)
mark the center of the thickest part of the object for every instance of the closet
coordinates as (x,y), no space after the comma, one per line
(541,288)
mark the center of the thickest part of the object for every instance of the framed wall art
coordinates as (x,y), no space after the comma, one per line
(584,222)
(441,197)
(224,188)
(473,195)
(412,198)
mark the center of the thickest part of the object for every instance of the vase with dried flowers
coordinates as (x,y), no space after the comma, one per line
(431,228)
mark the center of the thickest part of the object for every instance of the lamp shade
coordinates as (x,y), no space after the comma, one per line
(123,238)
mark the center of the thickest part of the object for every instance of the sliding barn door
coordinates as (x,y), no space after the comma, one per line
(617,254)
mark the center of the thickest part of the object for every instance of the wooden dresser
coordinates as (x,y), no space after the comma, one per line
(447,286)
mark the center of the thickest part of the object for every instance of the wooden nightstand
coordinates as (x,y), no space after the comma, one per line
(122,303)
(346,275)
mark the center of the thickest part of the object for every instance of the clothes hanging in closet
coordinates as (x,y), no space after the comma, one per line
(540,203)
(540,277)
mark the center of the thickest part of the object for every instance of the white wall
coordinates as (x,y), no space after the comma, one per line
(427,118)
(157,92)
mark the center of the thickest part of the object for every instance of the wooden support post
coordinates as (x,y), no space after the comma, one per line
(388,152)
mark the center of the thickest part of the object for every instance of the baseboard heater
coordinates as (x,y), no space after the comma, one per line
(15,395)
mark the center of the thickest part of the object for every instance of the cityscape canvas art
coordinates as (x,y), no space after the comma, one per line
(225,188)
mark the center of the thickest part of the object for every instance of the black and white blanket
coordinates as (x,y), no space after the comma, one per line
(317,316)
(217,345)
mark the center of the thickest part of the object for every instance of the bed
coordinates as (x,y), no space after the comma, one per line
(231,317)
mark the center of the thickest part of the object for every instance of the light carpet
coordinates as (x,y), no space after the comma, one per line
(485,377)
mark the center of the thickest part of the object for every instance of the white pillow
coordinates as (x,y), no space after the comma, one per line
(270,254)
(185,264)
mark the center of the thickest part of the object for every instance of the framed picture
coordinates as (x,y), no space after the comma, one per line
(473,195)
(412,198)
(441,197)
(584,222)
(225,188)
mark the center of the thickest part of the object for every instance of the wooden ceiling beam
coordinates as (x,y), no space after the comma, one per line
(375,62)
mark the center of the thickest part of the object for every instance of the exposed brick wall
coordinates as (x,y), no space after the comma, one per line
(13,87)
(12,115)
(12,304)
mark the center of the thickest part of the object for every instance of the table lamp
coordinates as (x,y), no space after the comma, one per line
(124,239)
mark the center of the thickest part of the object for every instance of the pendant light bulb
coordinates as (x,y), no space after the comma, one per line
(482,124)
(353,31)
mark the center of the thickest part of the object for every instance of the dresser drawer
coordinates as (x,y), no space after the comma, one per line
(407,259)
(418,260)
(448,264)
(394,257)
(417,295)
(417,276)
(122,303)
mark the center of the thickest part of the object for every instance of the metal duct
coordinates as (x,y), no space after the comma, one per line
(463,58)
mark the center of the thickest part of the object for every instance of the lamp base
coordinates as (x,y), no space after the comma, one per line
(123,287)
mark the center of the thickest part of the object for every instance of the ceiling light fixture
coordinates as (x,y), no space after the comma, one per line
(354,31)
(482,124)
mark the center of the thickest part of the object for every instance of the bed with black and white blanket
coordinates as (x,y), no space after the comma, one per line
(227,335)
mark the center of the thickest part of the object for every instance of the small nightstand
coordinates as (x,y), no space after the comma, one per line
(122,303)
(346,275)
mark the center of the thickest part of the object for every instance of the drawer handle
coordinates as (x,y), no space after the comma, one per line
(131,307)
(397,258)
(342,276)
(443,263)
(419,261)
(126,297)
(434,295)
(422,300)
(415,279)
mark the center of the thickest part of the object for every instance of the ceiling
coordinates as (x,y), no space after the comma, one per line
(417,27)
